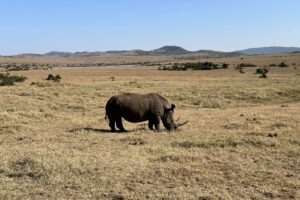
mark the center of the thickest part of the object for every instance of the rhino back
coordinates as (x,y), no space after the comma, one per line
(137,107)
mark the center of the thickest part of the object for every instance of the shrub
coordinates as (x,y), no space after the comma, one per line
(241,71)
(225,65)
(263,75)
(52,77)
(6,79)
(193,66)
(163,68)
(243,65)
(261,70)
(283,64)
(273,65)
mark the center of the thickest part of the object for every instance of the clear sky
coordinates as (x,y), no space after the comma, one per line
(39,26)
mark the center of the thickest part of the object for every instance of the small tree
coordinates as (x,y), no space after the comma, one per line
(263,72)
(263,75)
(51,77)
(225,65)
(283,64)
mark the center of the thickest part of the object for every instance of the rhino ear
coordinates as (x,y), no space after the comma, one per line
(173,106)
(170,109)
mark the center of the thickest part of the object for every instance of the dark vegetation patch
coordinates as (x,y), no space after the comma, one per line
(25,67)
(278,125)
(282,64)
(9,129)
(133,141)
(293,94)
(244,65)
(295,142)
(8,80)
(40,84)
(227,143)
(194,66)
(25,168)
(233,126)
(52,77)
(262,72)
(116,197)
(262,134)
(76,108)
(175,158)
(278,96)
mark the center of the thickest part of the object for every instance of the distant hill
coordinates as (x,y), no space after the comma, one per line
(176,50)
(170,50)
(219,53)
(165,50)
(116,51)
(269,50)
(58,53)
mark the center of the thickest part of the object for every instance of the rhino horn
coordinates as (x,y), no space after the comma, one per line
(181,124)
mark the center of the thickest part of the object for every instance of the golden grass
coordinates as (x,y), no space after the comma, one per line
(241,142)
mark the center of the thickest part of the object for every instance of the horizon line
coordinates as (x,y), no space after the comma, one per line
(136,49)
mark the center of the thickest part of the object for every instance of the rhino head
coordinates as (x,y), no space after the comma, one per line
(168,119)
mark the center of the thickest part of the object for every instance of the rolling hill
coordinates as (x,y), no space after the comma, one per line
(269,50)
(175,50)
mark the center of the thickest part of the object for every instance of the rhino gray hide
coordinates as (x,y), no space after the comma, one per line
(138,108)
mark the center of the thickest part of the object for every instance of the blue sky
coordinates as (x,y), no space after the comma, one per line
(39,26)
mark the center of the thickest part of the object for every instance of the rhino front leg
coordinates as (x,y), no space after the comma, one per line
(150,124)
(157,123)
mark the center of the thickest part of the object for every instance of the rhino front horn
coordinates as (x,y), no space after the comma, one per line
(181,124)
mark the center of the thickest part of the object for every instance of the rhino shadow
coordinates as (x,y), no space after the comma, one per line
(100,130)
(89,129)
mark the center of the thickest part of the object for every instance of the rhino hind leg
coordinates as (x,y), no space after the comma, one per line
(120,125)
(112,125)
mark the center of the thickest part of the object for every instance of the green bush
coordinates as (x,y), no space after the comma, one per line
(263,75)
(283,65)
(225,65)
(243,65)
(52,77)
(193,66)
(261,70)
(273,65)
(7,80)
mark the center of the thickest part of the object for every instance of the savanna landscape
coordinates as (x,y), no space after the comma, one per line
(242,140)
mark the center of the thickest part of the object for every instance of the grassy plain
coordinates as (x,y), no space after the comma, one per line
(242,140)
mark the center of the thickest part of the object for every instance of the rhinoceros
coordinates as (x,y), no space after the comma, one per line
(141,107)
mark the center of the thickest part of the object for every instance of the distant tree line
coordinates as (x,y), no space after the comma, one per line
(194,66)
(282,64)
(24,67)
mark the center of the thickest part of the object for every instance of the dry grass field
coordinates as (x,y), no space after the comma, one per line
(242,140)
